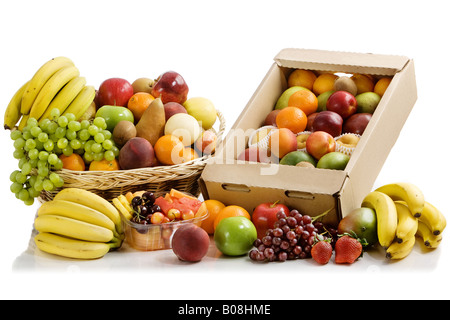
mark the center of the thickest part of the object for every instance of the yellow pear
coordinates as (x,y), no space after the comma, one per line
(152,123)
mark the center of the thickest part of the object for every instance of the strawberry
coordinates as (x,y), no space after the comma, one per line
(347,249)
(322,251)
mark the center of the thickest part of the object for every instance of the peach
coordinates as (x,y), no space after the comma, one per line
(320,143)
(190,243)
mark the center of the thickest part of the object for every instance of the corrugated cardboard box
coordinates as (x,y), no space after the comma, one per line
(312,191)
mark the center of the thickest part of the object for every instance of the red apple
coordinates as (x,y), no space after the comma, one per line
(319,143)
(343,103)
(265,215)
(270,118)
(254,154)
(328,121)
(310,121)
(357,123)
(170,87)
(171,108)
(114,92)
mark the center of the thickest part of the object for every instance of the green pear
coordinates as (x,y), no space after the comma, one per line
(283,100)
(367,102)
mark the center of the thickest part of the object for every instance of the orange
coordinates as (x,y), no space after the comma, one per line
(169,150)
(305,100)
(213,207)
(73,162)
(324,83)
(363,82)
(104,165)
(302,78)
(381,85)
(189,154)
(292,118)
(282,141)
(231,211)
(138,103)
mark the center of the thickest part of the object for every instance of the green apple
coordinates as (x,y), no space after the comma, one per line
(203,110)
(322,100)
(294,157)
(333,160)
(234,236)
(114,114)
(362,221)
(283,100)
(367,102)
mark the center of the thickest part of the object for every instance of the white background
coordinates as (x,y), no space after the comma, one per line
(223,50)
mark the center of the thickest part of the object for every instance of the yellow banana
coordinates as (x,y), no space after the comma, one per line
(407,192)
(407,223)
(90,112)
(72,228)
(76,211)
(70,248)
(433,218)
(91,200)
(429,239)
(398,251)
(51,88)
(23,121)
(81,102)
(12,113)
(39,79)
(65,97)
(386,213)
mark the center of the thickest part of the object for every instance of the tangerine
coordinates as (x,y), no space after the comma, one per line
(73,162)
(231,211)
(324,83)
(306,100)
(292,118)
(282,141)
(138,103)
(104,165)
(169,150)
(189,154)
(302,78)
(213,207)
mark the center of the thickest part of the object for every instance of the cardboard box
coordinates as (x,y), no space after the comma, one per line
(312,191)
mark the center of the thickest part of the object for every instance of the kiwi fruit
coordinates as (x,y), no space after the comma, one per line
(344,83)
(123,131)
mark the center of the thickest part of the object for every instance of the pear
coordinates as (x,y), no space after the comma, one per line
(152,123)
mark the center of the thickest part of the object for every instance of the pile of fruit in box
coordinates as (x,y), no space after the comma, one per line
(63,123)
(317,121)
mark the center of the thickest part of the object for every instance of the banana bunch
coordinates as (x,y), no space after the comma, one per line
(56,84)
(78,224)
(402,214)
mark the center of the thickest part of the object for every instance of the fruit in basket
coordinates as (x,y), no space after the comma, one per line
(333,160)
(114,92)
(72,162)
(345,83)
(203,110)
(169,150)
(136,153)
(367,102)
(123,131)
(170,87)
(281,142)
(183,126)
(104,165)
(171,108)
(152,123)
(328,121)
(363,222)
(282,101)
(357,123)
(234,236)
(138,103)
(114,114)
(343,103)
(265,215)
(190,243)
(294,157)
(143,85)
(206,143)
(320,143)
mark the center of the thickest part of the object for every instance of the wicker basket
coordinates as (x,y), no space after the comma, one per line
(110,184)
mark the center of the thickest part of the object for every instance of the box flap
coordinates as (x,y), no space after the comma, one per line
(349,62)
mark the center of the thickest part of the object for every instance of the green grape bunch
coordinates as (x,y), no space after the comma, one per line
(40,143)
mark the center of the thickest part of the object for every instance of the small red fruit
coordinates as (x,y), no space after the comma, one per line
(347,249)
(322,252)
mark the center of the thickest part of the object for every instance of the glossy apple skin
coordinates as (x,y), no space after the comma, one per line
(357,123)
(171,87)
(265,215)
(114,92)
(343,103)
(320,143)
(328,121)
(171,108)
(234,236)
